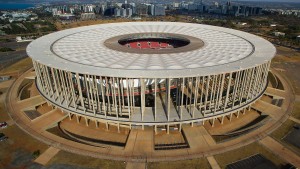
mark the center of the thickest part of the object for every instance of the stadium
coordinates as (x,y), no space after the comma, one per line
(160,74)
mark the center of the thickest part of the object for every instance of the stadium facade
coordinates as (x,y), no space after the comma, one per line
(157,74)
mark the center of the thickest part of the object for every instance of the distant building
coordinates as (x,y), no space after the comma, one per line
(4,78)
(142,9)
(151,9)
(103,9)
(87,16)
(133,7)
(159,10)
(117,12)
(89,8)
(176,5)
(192,7)
(242,23)
(201,8)
(67,16)
(72,10)
(298,38)
(129,12)
(278,34)
(97,10)
(25,39)
(54,11)
(123,12)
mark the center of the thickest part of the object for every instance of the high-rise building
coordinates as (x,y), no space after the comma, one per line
(129,12)
(87,16)
(151,9)
(117,12)
(159,10)
(123,12)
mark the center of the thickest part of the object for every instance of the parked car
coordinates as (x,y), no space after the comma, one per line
(3,137)
(3,124)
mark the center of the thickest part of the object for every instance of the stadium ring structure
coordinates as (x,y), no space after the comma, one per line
(151,73)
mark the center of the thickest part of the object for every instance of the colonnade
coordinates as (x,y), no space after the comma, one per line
(152,101)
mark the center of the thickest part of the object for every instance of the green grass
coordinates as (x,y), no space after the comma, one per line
(200,163)
(247,151)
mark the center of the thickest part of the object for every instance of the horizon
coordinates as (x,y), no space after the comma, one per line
(33,1)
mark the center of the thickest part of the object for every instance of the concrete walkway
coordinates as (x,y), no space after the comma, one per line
(44,158)
(32,101)
(196,135)
(6,84)
(31,75)
(294,119)
(213,163)
(281,151)
(275,92)
(274,111)
(140,142)
(133,165)
(48,120)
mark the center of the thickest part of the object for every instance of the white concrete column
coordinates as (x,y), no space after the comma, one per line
(213,122)
(107,126)
(228,90)
(77,118)
(168,129)
(142,94)
(70,116)
(96,123)
(86,121)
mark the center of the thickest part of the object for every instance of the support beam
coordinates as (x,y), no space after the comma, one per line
(86,121)
(77,118)
(70,116)
(97,124)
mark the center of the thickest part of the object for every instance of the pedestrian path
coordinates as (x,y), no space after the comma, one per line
(135,165)
(213,163)
(279,150)
(45,157)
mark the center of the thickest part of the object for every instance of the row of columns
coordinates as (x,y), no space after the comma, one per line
(166,126)
(115,97)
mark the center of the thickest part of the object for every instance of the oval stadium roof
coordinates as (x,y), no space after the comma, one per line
(82,50)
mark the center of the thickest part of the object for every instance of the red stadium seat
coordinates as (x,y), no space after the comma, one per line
(164,45)
(144,45)
(134,45)
(155,45)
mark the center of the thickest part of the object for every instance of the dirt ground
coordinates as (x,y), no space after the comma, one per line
(201,163)
(247,151)
(287,61)
(70,159)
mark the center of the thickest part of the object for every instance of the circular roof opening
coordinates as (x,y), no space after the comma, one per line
(154,43)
